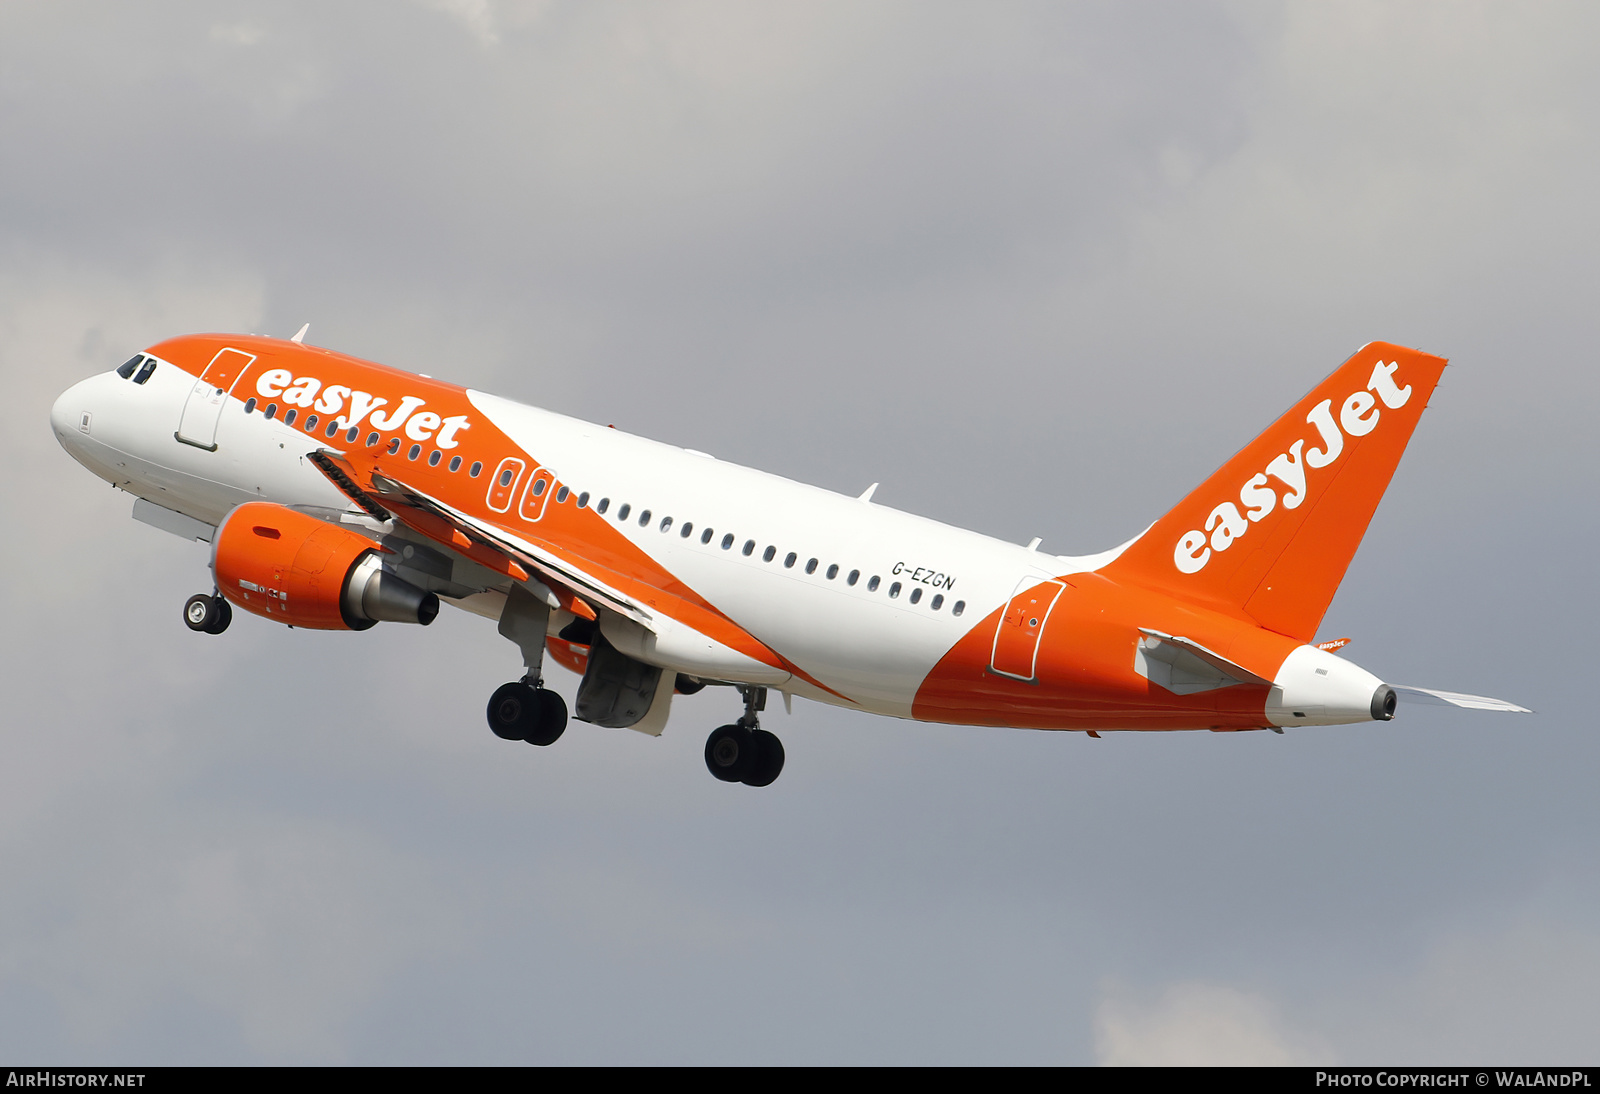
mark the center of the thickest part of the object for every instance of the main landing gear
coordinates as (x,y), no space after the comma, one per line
(744,752)
(526,710)
(210,614)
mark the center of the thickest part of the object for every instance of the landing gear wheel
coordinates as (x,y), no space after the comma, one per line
(732,753)
(224,612)
(522,712)
(552,718)
(200,612)
(769,759)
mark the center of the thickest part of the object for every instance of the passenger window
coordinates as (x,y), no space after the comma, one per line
(561,495)
(666,524)
(333,428)
(855,575)
(583,500)
(749,547)
(372,439)
(416,450)
(146,372)
(687,530)
(354,432)
(727,541)
(605,503)
(289,417)
(872,584)
(125,369)
(250,404)
(455,464)
(434,457)
(705,537)
(811,567)
(916,594)
(539,486)
(961,606)
(644,518)
(622,513)
(394,443)
(477,469)
(788,560)
(833,571)
(767,555)
(311,423)
(272,411)
(894,590)
(937,602)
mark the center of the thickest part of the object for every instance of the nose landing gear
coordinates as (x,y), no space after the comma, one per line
(210,614)
(744,752)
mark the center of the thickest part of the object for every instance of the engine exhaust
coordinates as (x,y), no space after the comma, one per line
(373,595)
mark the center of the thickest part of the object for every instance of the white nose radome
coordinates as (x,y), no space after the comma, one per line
(70,416)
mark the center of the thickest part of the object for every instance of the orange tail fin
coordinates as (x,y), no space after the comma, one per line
(1270,535)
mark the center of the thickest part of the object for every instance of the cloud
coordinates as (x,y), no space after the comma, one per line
(1526,993)
(1199,1024)
(478,16)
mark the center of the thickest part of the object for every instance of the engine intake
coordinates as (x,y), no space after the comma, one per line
(285,565)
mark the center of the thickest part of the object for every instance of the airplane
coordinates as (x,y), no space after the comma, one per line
(337,493)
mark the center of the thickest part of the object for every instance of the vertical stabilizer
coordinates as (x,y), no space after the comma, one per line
(1270,534)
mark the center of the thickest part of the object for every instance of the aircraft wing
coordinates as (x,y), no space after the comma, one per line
(385,497)
(1454,698)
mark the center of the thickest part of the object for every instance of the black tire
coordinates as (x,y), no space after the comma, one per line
(769,759)
(552,722)
(199,612)
(513,709)
(224,612)
(731,753)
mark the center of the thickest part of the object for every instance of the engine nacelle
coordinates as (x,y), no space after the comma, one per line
(296,569)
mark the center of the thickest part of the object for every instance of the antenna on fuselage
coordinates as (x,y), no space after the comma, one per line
(866,495)
(300,335)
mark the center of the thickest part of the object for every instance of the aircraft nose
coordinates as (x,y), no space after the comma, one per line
(65,414)
(72,416)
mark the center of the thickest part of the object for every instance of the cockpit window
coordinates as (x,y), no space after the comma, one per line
(126,370)
(144,373)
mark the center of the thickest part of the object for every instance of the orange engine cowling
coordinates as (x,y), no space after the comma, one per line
(296,569)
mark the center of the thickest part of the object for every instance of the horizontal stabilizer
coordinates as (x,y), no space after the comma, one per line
(1183,666)
(1456,699)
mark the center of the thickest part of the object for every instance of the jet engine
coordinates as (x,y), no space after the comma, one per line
(285,565)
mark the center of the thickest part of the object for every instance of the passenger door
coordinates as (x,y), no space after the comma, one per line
(198,425)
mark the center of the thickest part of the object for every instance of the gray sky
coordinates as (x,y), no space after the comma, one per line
(1038,268)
